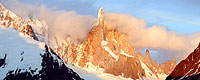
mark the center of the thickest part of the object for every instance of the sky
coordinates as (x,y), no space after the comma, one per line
(179,18)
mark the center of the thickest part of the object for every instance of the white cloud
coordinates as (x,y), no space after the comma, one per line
(62,23)
(154,37)
(59,23)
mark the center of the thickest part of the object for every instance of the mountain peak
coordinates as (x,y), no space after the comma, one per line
(198,45)
(104,49)
(1,6)
(147,53)
(101,14)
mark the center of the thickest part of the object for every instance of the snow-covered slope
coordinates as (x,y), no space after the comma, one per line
(20,54)
(28,61)
(27,27)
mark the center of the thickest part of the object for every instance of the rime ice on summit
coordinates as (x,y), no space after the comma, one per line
(101,21)
(101,15)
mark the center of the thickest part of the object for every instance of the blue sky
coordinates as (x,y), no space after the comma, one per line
(181,16)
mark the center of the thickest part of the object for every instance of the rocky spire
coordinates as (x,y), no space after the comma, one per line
(101,22)
(174,60)
(147,53)
(101,15)
(2,7)
(147,56)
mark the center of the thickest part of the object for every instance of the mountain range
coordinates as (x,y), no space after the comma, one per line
(105,50)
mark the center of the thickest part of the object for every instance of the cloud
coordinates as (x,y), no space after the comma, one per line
(21,9)
(154,37)
(41,45)
(60,23)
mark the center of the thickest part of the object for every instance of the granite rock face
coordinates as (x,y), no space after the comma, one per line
(10,20)
(107,48)
(187,69)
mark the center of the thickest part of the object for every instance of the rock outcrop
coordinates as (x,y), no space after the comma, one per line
(108,49)
(187,69)
(25,27)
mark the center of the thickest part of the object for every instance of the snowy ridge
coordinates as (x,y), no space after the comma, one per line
(27,61)
(28,27)
(149,74)
(99,72)
(101,15)
(103,43)
(123,53)
(18,57)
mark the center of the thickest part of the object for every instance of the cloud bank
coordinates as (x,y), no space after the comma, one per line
(154,37)
(60,23)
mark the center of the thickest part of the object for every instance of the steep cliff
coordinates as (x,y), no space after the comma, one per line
(187,69)
(108,49)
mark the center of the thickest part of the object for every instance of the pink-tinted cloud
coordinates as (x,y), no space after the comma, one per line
(154,37)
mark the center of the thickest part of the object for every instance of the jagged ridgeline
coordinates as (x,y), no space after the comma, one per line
(107,49)
(187,69)
(104,49)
